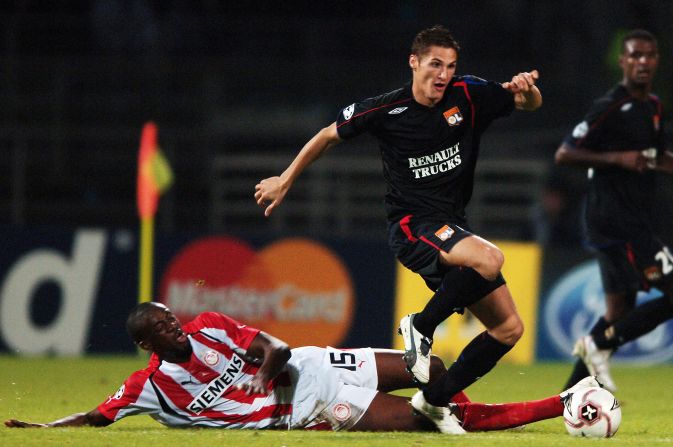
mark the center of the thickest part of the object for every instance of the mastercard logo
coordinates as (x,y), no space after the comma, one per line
(295,289)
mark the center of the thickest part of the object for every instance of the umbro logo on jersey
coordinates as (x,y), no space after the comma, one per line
(453,116)
(348,112)
(397,110)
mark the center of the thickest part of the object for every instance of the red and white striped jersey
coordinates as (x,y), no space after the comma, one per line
(202,391)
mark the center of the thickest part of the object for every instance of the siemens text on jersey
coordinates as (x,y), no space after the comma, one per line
(217,386)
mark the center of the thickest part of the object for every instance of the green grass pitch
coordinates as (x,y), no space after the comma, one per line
(44,389)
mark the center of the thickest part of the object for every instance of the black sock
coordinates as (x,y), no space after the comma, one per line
(580,370)
(450,297)
(639,321)
(477,359)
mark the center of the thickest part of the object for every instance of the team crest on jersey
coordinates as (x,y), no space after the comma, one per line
(652,273)
(444,233)
(453,116)
(626,107)
(397,110)
(348,111)
(211,357)
(341,411)
(656,121)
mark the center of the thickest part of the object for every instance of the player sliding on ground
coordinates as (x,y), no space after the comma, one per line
(217,372)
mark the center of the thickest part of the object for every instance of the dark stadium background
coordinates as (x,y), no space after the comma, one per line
(78,79)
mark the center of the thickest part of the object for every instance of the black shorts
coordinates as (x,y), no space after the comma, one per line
(639,264)
(417,246)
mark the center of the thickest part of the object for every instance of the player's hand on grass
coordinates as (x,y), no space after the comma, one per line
(15,423)
(93,418)
(269,193)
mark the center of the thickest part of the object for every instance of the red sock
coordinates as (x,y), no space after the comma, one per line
(460,397)
(484,417)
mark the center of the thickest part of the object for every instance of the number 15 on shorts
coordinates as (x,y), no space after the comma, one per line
(345,360)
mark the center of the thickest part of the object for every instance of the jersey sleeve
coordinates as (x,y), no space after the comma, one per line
(128,399)
(240,334)
(359,117)
(491,100)
(588,133)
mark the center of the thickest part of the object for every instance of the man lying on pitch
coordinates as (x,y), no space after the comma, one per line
(217,372)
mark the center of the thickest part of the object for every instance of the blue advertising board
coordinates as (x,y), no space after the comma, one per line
(574,302)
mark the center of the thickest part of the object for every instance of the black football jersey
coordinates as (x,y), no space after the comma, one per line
(620,203)
(429,153)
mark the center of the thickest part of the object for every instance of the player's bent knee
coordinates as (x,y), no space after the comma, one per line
(509,332)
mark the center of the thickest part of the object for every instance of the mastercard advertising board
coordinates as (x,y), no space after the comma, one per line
(69,292)
(295,289)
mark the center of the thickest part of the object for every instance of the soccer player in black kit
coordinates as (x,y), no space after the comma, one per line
(621,141)
(428,133)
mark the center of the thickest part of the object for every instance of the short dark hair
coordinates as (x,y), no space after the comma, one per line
(638,34)
(136,323)
(436,35)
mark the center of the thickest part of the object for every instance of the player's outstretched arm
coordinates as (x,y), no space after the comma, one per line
(93,418)
(274,354)
(526,94)
(581,157)
(269,193)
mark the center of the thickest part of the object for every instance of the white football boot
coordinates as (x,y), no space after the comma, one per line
(596,360)
(442,417)
(417,349)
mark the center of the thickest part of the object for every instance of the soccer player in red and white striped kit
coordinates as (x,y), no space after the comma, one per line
(217,372)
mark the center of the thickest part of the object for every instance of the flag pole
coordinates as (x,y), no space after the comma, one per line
(146,259)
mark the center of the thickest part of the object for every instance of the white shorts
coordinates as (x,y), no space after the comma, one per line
(335,386)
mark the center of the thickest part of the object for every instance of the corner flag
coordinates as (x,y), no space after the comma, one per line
(154,177)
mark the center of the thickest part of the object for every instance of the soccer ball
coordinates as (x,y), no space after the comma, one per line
(592,412)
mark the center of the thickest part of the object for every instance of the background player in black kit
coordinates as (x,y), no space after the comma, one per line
(621,140)
(428,132)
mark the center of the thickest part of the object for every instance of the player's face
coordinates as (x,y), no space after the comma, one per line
(639,62)
(166,335)
(431,73)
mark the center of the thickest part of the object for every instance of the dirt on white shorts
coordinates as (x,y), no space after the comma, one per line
(349,378)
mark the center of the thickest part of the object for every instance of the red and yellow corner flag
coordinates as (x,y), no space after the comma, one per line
(154,177)
(154,172)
